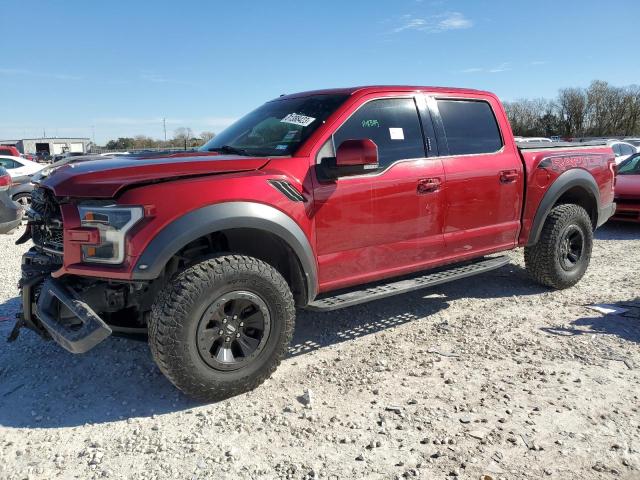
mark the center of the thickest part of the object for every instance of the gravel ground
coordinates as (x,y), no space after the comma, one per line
(491,377)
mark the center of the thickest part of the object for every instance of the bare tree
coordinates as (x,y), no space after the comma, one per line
(571,106)
(182,137)
(206,136)
(600,110)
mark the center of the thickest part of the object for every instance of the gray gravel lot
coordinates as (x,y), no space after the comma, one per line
(491,376)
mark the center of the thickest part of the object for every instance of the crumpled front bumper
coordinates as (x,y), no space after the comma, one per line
(85,330)
(54,310)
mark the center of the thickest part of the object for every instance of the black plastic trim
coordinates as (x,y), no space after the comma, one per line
(225,216)
(571,178)
(287,190)
(380,291)
(93,329)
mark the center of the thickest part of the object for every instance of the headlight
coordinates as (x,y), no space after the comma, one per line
(113,223)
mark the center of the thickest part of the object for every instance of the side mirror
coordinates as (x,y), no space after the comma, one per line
(353,157)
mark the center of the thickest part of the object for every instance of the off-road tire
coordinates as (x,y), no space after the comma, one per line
(177,311)
(544,259)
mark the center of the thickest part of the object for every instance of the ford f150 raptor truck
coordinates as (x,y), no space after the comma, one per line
(318,200)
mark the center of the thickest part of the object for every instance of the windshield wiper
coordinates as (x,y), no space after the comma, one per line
(229,149)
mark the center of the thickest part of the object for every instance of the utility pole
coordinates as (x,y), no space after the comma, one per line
(44,133)
(164,125)
(93,134)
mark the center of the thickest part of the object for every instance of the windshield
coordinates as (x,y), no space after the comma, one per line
(277,128)
(631,166)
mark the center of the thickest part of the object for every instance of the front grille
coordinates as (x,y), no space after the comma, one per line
(44,203)
(46,221)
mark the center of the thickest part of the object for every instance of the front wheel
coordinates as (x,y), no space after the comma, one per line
(222,326)
(562,255)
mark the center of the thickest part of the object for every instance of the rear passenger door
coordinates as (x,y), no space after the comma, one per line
(484,176)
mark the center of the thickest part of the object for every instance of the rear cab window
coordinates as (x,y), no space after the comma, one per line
(470,126)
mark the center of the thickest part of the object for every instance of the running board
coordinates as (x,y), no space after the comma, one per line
(377,292)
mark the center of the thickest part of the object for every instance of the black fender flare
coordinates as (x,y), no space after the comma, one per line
(575,177)
(224,216)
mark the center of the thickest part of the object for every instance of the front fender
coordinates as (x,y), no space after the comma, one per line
(224,216)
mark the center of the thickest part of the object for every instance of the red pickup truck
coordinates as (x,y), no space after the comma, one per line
(316,200)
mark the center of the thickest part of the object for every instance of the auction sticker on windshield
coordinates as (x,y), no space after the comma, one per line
(297,119)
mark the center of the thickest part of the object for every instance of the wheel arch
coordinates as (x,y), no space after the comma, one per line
(264,228)
(573,186)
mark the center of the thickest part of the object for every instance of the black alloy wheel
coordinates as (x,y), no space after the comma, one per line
(233,330)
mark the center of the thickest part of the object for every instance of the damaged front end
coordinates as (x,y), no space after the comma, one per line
(76,312)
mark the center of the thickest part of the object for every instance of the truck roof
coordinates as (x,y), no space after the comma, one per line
(367,89)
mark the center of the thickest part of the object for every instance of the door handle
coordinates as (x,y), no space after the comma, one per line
(508,176)
(428,185)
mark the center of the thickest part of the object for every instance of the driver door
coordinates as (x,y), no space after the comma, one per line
(388,221)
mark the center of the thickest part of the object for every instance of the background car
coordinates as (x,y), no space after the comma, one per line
(532,139)
(18,166)
(627,190)
(20,191)
(42,157)
(47,170)
(111,154)
(622,150)
(9,150)
(10,212)
(62,156)
(633,141)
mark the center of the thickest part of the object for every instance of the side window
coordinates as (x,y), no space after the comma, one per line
(626,149)
(616,149)
(391,123)
(470,127)
(8,164)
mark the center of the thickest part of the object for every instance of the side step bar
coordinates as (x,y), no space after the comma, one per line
(356,297)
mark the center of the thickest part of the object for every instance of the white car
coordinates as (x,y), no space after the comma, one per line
(532,139)
(18,166)
(633,141)
(111,154)
(622,150)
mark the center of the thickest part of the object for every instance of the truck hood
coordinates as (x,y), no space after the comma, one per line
(105,177)
(627,187)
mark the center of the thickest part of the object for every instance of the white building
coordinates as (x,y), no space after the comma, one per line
(52,146)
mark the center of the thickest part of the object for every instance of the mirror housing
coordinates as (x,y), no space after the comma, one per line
(353,157)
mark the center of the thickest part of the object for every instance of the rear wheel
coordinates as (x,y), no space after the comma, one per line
(562,255)
(222,326)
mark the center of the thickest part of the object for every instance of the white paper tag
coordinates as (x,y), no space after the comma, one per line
(607,309)
(297,119)
(396,133)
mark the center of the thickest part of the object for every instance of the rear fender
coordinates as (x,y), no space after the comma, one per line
(566,181)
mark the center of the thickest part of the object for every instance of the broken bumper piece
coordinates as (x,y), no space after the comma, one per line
(80,329)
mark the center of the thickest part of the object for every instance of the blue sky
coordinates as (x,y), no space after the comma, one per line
(121,67)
